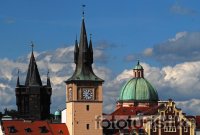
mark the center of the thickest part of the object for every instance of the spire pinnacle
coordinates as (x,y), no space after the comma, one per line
(83,11)
(138,62)
(18,83)
(48,79)
(48,73)
(18,73)
(32,45)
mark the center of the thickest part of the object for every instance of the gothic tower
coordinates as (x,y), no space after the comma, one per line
(84,91)
(33,99)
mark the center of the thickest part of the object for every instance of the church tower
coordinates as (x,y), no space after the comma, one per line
(84,91)
(33,99)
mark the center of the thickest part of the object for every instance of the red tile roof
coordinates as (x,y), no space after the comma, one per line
(35,126)
(58,129)
(136,110)
(129,110)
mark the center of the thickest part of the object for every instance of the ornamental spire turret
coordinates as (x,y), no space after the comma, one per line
(83,58)
(18,82)
(48,80)
(76,50)
(90,50)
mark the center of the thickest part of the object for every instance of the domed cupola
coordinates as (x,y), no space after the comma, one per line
(138,89)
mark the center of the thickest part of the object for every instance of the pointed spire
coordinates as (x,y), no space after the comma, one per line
(76,50)
(32,45)
(33,76)
(90,50)
(83,57)
(48,80)
(18,82)
(138,63)
(83,11)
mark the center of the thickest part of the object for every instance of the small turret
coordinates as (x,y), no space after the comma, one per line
(90,51)
(48,80)
(18,82)
(76,51)
(138,71)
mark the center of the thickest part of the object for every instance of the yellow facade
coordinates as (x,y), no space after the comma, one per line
(81,113)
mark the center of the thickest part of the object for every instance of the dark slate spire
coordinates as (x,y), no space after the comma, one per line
(76,50)
(18,83)
(33,76)
(83,58)
(48,80)
(90,50)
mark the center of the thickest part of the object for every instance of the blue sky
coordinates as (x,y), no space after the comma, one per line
(131,25)
(164,35)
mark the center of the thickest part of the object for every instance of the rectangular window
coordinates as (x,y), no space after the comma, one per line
(185,129)
(88,126)
(154,129)
(87,107)
(165,129)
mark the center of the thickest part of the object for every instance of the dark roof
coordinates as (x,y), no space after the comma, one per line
(36,127)
(33,76)
(197,122)
(83,58)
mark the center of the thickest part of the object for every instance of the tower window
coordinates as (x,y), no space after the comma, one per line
(28,130)
(88,126)
(87,107)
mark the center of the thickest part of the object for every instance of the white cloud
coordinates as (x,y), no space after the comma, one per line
(61,66)
(184,46)
(178,9)
(182,80)
(148,52)
(191,105)
(178,36)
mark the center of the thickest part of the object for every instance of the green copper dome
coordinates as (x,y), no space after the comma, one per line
(57,113)
(138,88)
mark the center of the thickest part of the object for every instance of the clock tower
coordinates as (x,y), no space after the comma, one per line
(84,91)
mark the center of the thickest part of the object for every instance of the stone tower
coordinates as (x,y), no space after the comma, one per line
(33,99)
(84,91)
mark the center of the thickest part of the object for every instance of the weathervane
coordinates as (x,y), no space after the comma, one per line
(18,72)
(48,73)
(83,6)
(32,45)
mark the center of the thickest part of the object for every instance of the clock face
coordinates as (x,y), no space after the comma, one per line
(87,94)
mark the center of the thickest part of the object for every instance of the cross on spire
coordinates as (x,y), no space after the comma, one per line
(48,73)
(18,72)
(83,11)
(32,45)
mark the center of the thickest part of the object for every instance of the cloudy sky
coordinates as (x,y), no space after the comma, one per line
(163,35)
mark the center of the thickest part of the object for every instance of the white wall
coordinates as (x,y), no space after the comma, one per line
(63,116)
(1,132)
(197,132)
